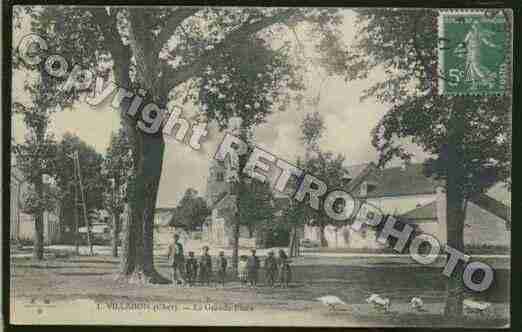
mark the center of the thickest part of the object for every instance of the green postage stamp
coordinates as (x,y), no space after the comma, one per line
(473,53)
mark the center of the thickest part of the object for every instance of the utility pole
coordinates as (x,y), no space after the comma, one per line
(76,219)
(78,182)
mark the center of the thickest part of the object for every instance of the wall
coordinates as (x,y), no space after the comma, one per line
(51,228)
(401,204)
(344,237)
(484,228)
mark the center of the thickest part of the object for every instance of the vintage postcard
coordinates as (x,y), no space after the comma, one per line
(260,166)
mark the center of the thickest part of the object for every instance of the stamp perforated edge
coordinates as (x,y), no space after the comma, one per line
(444,12)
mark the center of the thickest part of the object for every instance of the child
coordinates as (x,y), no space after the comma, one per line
(205,267)
(284,269)
(270,269)
(222,268)
(191,268)
(176,260)
(242,269)
(252,268)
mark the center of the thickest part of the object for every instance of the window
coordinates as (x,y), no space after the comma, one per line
(220,177)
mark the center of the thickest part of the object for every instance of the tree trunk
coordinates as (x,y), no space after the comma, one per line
(293,248)
(76,221)
(455,210)
(237,223)
(38,239)
(455,235)
(137,261)
(115,233)
(324,243)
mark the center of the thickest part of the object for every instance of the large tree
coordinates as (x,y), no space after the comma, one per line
(164,49)
(35,156)
(191,210)
(257,209)
(330,169)
(468,136)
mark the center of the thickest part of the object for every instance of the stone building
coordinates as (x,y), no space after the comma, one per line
(218,227)
(407,193)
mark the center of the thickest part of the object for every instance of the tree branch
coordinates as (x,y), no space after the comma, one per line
(109,29)
(176,76)
(173,21)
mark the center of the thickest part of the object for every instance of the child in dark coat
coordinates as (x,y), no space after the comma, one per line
(191,268)
(252,268)
(205,267)
(270,269)
(222,268)
(284,269)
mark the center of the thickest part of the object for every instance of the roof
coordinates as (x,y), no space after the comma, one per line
(359,172)
(396,181)
(355,170)
(489,204)
(425,212)
(164,209)
(220,201)
(493,206)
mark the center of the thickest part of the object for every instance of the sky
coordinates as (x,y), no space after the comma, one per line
(348,124)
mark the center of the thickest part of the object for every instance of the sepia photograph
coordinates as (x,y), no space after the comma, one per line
(259,166)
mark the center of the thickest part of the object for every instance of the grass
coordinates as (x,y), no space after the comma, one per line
(352,280)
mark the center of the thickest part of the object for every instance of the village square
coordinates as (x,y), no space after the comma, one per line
(150,217)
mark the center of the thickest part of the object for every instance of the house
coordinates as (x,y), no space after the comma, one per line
(218,227)
(487,221)
(22,224)
(407,193)
(163,215)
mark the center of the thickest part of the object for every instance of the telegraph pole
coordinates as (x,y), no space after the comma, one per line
(78,183)
(84,206)
(76,220)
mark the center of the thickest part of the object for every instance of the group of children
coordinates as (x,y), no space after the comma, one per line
(275,270)
(203,268)
(191,270)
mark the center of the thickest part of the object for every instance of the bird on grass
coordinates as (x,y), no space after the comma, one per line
(331,301)
(476,306)
(417,304)
(379,302)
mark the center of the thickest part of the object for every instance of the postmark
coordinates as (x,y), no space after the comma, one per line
(473,53)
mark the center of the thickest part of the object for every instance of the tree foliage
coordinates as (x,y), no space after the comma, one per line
(191,211)
(328,168)
(171,51)
(35,156)
(468,137)
(404,44)
(91,161)
(117,168)
(312,129)
(256,206)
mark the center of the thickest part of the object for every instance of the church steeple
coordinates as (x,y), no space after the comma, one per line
(217,184)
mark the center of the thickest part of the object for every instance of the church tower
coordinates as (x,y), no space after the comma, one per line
(217,186)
